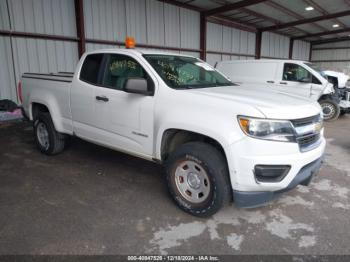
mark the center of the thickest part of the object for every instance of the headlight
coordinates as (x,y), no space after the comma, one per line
(268,129)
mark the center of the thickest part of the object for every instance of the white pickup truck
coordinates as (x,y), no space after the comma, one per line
(217,140)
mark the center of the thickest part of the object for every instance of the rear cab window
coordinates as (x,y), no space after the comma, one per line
(112,71)
(90,69)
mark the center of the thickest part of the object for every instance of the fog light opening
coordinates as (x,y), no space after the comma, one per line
(271,173)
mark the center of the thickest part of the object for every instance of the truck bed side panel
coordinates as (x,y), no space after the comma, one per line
(53,91)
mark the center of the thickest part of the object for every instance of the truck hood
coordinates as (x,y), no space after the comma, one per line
(272,104)
(342,78)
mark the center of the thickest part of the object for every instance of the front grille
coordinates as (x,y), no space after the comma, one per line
(307,140)
(305,121)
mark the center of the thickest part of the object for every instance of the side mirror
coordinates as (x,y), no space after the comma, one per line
(305,80)
(137,86)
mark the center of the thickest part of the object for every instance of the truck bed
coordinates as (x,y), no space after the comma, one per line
(60,77)
(49,89)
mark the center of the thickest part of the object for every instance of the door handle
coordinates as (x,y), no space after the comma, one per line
(270,81)
(102,98)
(283,83)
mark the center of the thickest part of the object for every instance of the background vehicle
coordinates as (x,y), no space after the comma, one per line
(290,76)
(339,81)
(216,140)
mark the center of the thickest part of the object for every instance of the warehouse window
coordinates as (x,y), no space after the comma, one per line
(91,68)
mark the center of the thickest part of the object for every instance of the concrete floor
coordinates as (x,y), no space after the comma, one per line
(91,200)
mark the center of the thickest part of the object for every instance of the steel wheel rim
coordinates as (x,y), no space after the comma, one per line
(192,181)
(43,135)
(330,108)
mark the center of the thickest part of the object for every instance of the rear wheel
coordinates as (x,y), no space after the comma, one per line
(330,109)
(48,140)
(197,179)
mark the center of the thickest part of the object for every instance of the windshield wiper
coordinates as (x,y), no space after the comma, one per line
(204,86)
(227,84)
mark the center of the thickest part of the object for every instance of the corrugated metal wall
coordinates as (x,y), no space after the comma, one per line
(45,17)
(333,54)
(150,22)
(35,55)
(301,50)
(274,45)
(7,80)
(229,40)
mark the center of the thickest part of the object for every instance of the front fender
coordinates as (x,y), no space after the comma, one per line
(223,135)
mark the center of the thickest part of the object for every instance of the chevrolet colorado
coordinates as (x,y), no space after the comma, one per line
(217,141)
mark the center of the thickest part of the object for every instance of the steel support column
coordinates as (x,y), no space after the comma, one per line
(203,37)
(258,44)
(310,52)
(291,45)
(79,18)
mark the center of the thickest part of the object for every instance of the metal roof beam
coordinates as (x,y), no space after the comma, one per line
(268,18)
(231,23)
(332,40)
(231,7)
(290,13)
(322,10)
(344,30)
(306,21)
(182,4)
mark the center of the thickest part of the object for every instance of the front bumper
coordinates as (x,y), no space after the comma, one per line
(247,153)
(255,199)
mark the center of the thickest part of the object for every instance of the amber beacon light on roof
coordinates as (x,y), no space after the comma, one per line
(129,42)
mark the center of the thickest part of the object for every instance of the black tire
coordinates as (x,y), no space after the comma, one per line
(342,113)
(214,164)
(56,141)
(330,109)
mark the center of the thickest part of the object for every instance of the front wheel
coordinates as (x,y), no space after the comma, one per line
(330,109)
(197,179)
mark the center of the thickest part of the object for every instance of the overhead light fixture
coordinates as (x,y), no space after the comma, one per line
(309,8)
(335,25)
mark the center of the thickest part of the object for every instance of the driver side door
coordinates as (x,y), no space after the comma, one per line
(296,80)
(125,119)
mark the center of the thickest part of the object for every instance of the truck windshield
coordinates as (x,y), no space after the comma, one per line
(317,69)
(181,72)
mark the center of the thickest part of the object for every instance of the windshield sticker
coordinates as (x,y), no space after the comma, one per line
(122,65)
(205,66)
(175,75)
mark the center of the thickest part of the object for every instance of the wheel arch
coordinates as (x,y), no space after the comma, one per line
(172,138)
(324,97)
(38,106)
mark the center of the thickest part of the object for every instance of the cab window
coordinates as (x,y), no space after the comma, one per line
(90,69)
(296,73)
(119,68)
